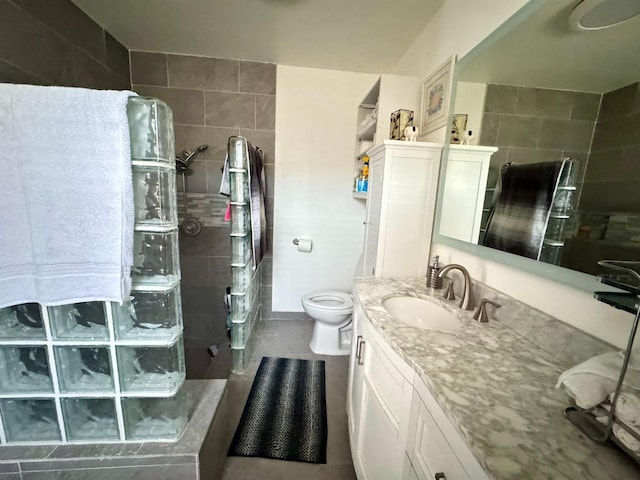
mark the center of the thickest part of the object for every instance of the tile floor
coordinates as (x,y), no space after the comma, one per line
(290,339)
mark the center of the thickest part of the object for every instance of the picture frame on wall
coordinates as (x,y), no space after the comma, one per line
(436,94)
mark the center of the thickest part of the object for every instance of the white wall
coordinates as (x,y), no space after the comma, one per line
(457,28)
(316,117)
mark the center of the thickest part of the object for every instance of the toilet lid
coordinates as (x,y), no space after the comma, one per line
(329,300)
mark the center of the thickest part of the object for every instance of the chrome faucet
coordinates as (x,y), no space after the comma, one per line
(467,298)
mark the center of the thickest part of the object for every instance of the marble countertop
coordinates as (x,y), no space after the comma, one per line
(498,390)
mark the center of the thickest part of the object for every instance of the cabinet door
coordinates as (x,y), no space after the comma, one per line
(354,389)
(429,451)
(384,417)
(372,220)
(434,445)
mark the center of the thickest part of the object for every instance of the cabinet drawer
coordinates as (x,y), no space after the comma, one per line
(430,452)
(386,383)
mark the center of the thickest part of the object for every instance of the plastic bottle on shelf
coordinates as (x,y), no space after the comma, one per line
(361,182)
(364,175)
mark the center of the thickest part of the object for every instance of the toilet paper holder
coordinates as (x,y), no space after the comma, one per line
(304,245)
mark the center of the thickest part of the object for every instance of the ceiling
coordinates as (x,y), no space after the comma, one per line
(355,35)
(540,49)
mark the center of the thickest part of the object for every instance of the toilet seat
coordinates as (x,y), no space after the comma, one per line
(330,300)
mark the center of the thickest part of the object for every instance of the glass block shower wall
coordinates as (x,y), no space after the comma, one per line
(245,281)
(100,371)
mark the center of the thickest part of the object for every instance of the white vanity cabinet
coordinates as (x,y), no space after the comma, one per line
(403,180)
(396,428)
(467,168)
(380,392)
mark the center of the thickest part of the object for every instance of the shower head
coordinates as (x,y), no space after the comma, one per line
(184,158)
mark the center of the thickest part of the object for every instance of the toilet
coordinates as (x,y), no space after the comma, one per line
(331,311)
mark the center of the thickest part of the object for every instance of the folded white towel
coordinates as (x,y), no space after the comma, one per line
(628,440)
(587,389)
(67,208)
(607,365)
(619,431)
(628,408)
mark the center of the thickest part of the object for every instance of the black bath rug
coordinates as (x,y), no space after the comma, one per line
(285,416)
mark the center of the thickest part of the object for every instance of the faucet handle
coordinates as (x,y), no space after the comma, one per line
(481,312)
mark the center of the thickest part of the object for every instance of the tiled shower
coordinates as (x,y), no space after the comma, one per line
(212,100)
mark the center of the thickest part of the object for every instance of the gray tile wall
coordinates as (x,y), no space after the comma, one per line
(610,183)
(212,99)
(534,124)
(52,42)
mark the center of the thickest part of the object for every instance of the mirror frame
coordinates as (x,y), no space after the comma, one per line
(572,278)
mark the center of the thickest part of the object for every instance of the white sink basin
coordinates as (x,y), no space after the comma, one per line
(420,313)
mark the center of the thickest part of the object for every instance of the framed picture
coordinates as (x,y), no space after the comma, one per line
(436,93)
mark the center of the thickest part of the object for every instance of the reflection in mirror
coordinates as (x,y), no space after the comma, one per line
(556,173)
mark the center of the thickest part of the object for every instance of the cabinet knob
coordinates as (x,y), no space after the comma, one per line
(439,476)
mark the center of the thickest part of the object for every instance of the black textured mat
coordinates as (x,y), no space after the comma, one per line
(285,416)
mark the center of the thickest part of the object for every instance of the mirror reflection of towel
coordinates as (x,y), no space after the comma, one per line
(520,212)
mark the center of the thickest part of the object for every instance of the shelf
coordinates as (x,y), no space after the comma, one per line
(622,300)
(363,152)
(361,195)
(366,132)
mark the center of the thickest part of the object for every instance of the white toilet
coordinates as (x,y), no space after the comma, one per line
(331,310)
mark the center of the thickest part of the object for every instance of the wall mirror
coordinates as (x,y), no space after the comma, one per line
(554,164)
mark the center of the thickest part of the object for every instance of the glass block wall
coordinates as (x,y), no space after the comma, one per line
(245,280)
(100,371)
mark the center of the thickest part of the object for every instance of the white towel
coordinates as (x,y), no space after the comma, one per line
(590,382)
(619,431)
(66,220)
(607,365)
(588,389)
(628,408)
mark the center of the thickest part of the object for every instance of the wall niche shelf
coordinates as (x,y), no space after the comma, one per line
(388,94)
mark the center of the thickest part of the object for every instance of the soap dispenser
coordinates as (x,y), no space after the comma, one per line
(433,280)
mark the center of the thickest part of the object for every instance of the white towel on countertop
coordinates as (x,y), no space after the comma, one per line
(607,365)
(587,389)
(66,220)
(591,381)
